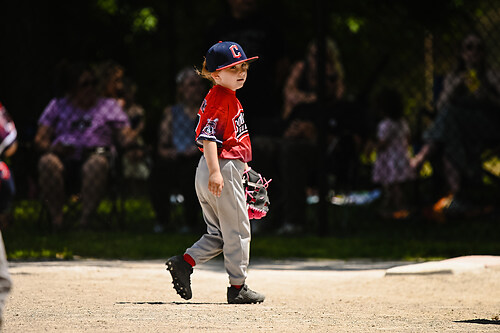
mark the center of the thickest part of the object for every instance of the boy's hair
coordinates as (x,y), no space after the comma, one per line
(205,73)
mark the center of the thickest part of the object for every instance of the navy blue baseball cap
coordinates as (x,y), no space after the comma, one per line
(225,54)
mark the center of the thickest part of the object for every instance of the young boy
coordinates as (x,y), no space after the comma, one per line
(222,136)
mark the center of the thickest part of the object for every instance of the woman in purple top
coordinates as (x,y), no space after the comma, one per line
(77,133)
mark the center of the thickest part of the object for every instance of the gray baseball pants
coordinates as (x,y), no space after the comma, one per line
(228,227)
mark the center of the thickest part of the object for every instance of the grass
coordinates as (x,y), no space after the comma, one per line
(353,233)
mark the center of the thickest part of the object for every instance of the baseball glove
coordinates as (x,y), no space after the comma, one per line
(256,194)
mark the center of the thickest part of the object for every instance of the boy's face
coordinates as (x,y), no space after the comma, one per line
(233,77)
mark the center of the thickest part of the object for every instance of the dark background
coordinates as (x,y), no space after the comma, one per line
(36,35)
(381,43)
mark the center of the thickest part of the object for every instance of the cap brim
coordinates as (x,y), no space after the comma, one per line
(239,62)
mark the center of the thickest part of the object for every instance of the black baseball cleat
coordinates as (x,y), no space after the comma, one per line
(181,272)
(243,296)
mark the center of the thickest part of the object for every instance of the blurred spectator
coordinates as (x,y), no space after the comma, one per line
(301,84)
(135,160)
(76,135)
(302,115)
(110,79)
(8,146)
(467,122)
(392,166)
(177,156)
(473,83)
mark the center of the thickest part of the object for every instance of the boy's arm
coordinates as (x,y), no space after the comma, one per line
(215,180)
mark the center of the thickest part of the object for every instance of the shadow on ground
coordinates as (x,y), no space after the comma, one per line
(479,321)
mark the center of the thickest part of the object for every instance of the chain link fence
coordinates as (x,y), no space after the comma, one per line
(416,131)
(409,122)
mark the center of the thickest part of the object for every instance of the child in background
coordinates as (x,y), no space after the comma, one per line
(392,166)
(8,146)
(222,136)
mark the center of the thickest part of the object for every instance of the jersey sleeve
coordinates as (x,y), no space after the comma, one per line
(211,125)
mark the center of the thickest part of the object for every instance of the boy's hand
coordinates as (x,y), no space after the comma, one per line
(215,183)
(215,180)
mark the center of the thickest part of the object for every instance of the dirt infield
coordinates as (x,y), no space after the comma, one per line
(302,296)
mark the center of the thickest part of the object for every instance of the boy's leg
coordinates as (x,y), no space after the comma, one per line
(181,272)
(235,226)
(234,223)
(210,244)
(228,227)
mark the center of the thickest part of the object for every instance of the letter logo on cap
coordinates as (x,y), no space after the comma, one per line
(234,50)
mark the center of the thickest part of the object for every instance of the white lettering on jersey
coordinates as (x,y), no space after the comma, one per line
(239,125)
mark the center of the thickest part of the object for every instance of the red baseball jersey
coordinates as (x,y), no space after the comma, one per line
(221,119)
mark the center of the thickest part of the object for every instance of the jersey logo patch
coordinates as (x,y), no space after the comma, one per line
(209,129)
(240,126)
